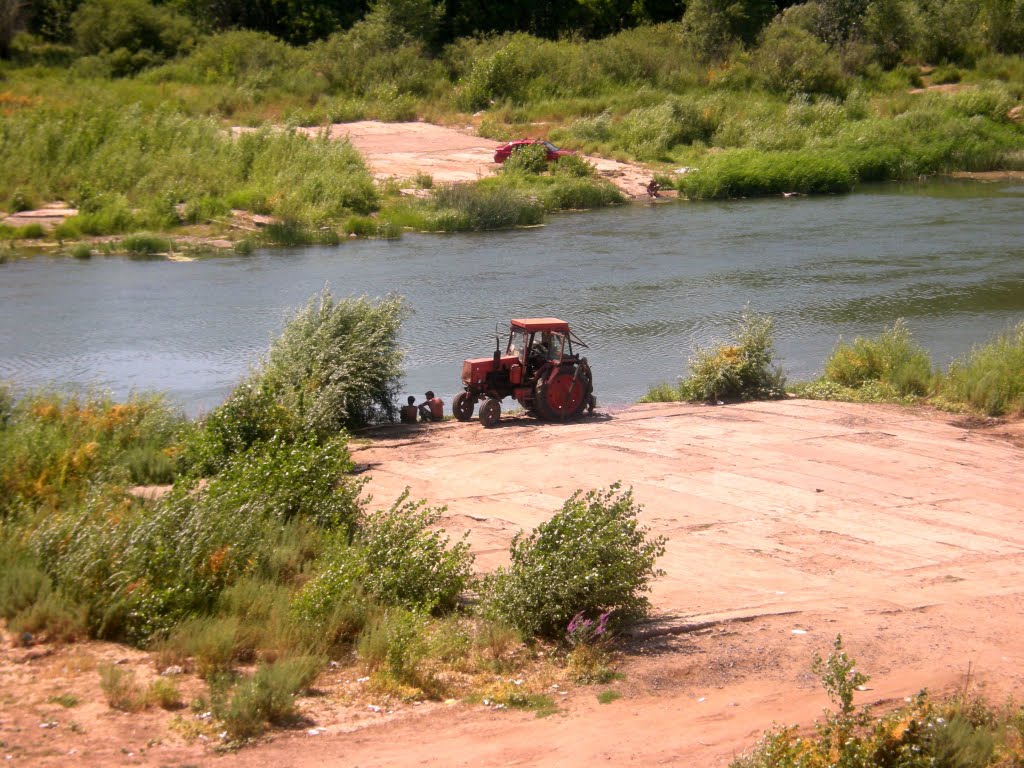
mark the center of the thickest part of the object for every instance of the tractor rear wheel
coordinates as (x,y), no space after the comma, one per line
(490,412)
(565,395)
(462,406)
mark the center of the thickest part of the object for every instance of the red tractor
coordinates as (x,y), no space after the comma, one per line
(539,369)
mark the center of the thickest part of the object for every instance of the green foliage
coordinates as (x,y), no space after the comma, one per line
(532,158)
(406,560)
(164,694)
(607,697)
(269,696)
(712,27)
(663,393)
(888,25)
(337,364)
(211,642)
(120,688)
(145,245)
(52,446)
(250,415)
(394,643)
(142,570)
(743,369)
(839,676)
(574,167)
(792,61)
(893,358)
(956,733)
(397,558)
(476,207)
(745,172)
(126,36)
(592,556)
(129,167)
(991,377)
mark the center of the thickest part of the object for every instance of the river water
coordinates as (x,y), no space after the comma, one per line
(641,285)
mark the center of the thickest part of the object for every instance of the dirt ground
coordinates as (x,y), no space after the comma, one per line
(401,150)
(788,522)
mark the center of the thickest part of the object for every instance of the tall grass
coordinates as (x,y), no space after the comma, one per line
(54,446)
(991,377)
(892,359)
(128,167)
(742,368)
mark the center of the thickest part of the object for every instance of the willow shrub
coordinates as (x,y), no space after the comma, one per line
(337,363)
(141,569)
(991,377)
(592,556)
(397,557)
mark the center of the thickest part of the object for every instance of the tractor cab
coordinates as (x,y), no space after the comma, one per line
(539,341)
(539,368)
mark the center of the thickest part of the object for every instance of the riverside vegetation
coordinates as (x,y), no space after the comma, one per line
(265,555)
(962,731)
(891,367)
(264,560)
(121,108)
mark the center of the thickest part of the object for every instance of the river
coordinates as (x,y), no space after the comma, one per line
(641,285)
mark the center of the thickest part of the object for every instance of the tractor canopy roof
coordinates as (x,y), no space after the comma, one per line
(533,324)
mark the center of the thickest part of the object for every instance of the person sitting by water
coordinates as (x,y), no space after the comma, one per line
(409,411)
(432,409)
(653,188)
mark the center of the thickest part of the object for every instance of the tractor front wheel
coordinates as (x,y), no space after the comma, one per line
(462,406)
(490,412)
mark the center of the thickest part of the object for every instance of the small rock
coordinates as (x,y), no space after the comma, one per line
(362,679)
(173,670)
(48,724)
(333,664)
(799,631)
(313,732)
(373,707)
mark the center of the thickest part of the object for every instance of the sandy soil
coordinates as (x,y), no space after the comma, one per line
(788,522)
(401,150)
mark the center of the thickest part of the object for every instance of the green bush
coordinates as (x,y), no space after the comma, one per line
(142,570)
(745,172)
(532,158)
(146,245)
(741,370)
(336,365)
(663,393)
(991,377)
(395,643)
(592,556)
(574,167)
(957,733)
(130,34)
(269,696)
(792,61)
(129,167)
(398,558)
(893,358)
(480,207)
